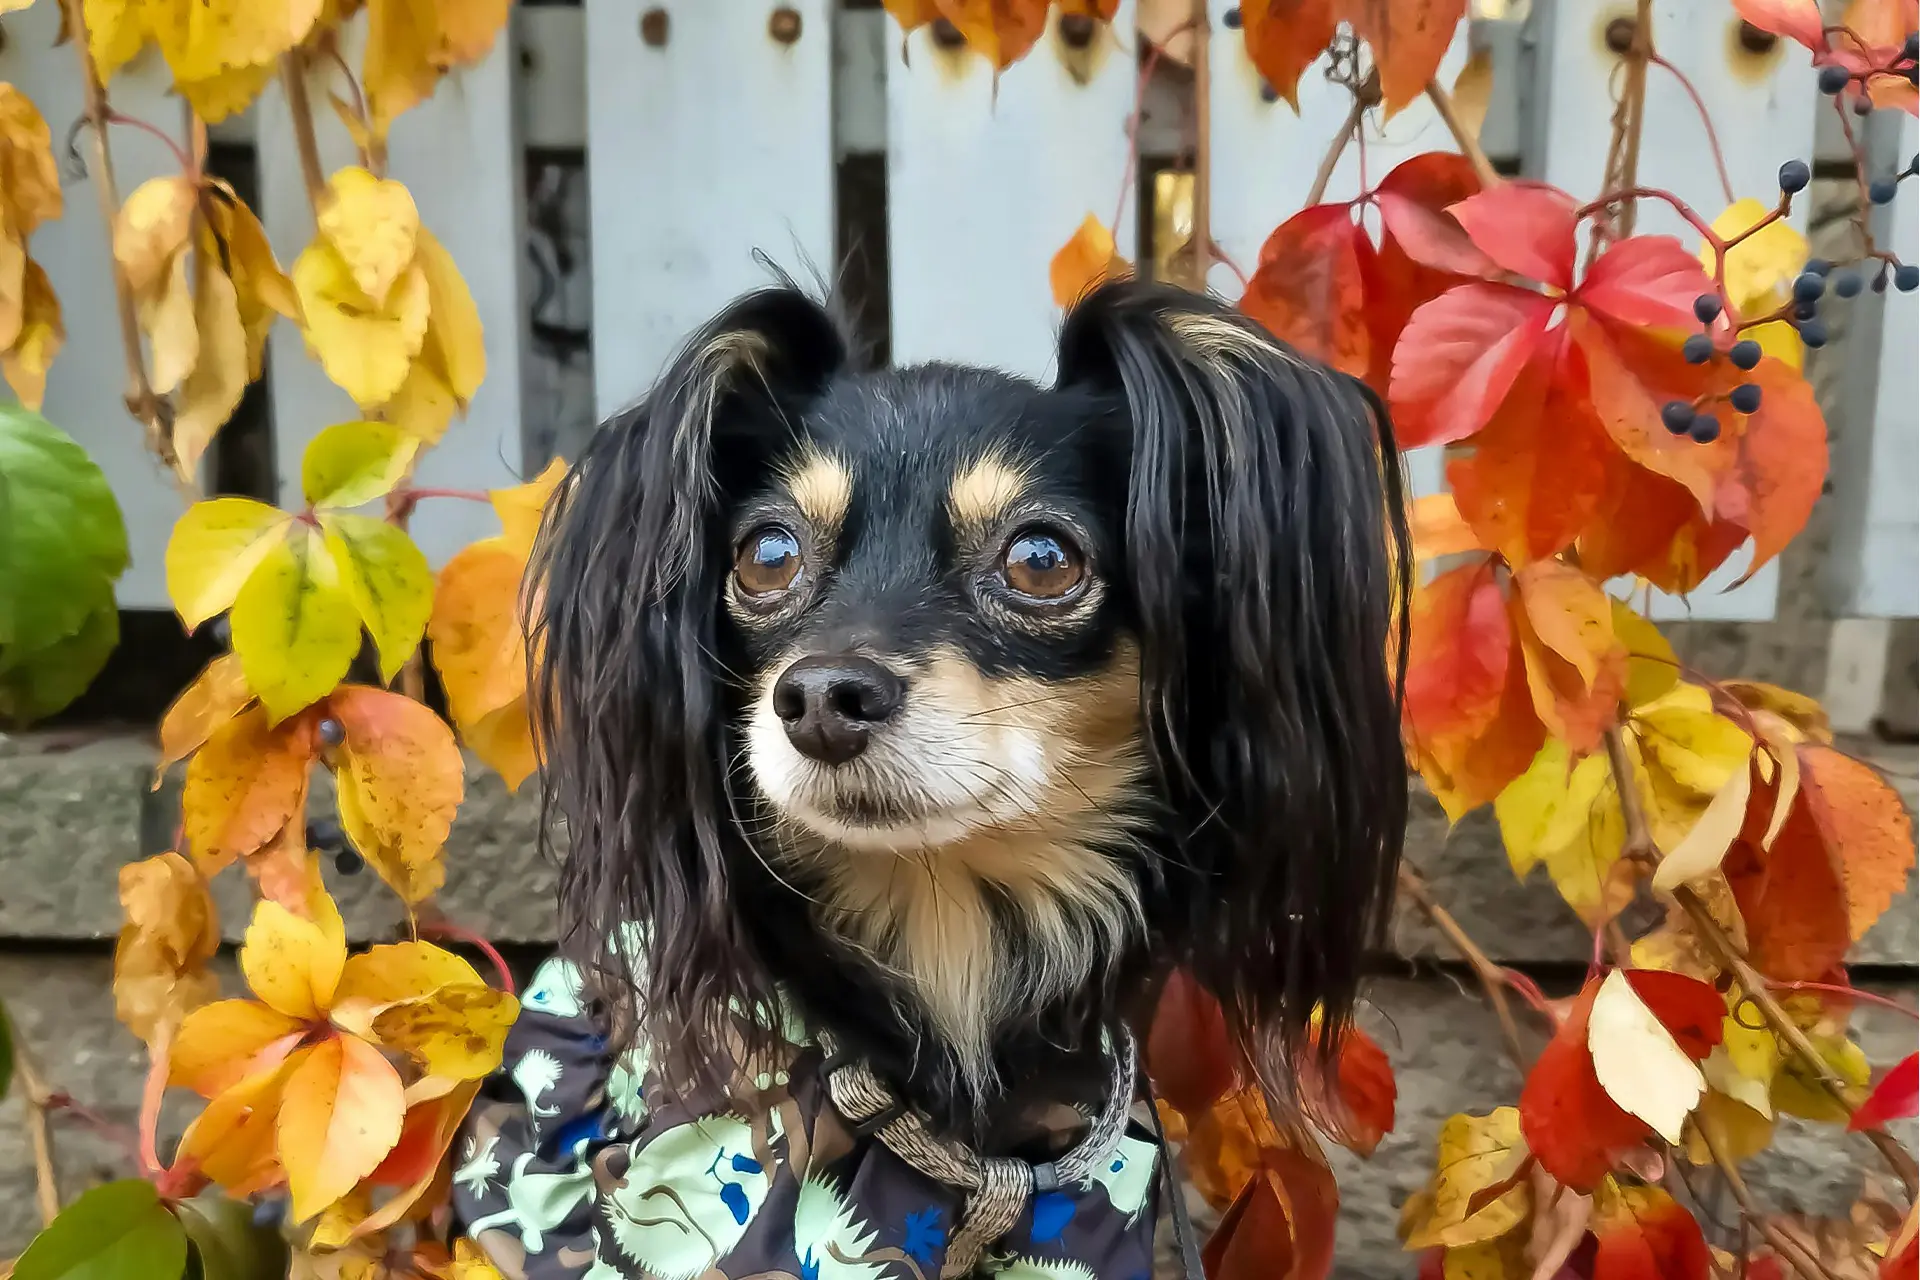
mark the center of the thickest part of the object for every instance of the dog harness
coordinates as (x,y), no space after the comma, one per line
(576,1165)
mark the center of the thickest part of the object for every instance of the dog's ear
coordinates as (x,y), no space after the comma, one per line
(626,693)
(1267,547)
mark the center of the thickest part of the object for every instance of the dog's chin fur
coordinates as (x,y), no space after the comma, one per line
(982,850)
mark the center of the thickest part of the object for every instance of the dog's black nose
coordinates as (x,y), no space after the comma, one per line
(829,704)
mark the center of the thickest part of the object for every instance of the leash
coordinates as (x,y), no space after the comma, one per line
(1190,1264)
(995,1188)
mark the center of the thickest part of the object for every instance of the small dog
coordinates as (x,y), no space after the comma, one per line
(953,709)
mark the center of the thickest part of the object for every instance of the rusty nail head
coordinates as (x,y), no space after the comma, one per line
(653,27)
(1076,29)
(1620,34)
(784,24)
(946,35)
(1754,40)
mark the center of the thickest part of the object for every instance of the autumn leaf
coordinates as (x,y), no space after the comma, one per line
(1896,1097)
(1792,901)
(1478,1191)
(350,464)
(216,696)
(214,549)
(262,289)
(1640,1231)
(478,645)
(212,389)
(1570,614)
(29,179)
(160,961)
(1285,37)
(293,963)
(1364,1095)
(1758,273)
(340,1114)
(295,624)
(373,225)
(1408,38)
(1189,1055)
(1281,1223)
(387,578)
(414,1167)
(398,71)
(1570,1123)
(1087,260)
(1468,771)
(1796,19)
(1638,1061)
(453,344)
(41,334)
(1572,708)
(225,1042)
(152,228)
(365,348)
(1705,845)
(1460,648)
(1002,31)
(1309,287)
(244,785)
(1803,715)
(1565,814)
(222,54)
(400,782)
(1865,827)
(166,315)
(116,32)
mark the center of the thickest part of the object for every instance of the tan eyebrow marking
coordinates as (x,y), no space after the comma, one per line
(982,492)
(822,487)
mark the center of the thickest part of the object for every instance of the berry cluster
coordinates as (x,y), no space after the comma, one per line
(1683,419)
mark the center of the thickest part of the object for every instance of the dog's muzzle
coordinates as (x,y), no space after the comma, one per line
(829,704)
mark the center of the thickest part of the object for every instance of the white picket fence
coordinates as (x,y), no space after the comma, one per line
(722,140)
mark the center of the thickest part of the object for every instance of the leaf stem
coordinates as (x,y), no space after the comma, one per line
(1492,977)
(1147,69)
(1706,121)
(293,81)
(1349,130)
(187,164)
(468,495)
(1786,1246)
(1469,145)
(46,1184)
(1850,993)
(159,1057)
(447,929)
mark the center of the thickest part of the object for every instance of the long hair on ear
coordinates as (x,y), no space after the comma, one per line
(1268,546)
(627,693)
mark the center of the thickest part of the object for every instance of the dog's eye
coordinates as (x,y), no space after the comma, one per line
(768,561)
(1042,564)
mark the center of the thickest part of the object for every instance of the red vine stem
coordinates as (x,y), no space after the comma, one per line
(1713,138)
(468,495)
(186,161)
(1133,121)
(1851,993)
(158,1056)
(457,933)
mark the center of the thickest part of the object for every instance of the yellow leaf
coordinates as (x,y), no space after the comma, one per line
(1567,815)
(214,98)
(1473,91)
(398,786)
(206,38)
(1637,1061)
(151,229)
(223,1043)
(388,579)
(1088,259)
(212,391)
(38,340)
(429,1130)
(116,32)
(13,286)
(1705,845)
(352,463)
(453,322)
(232,1140)
(372,224)
(364,348)
(166,314)
(503,739)
(424,404)
(1797,1091)
(1477,1154)
(1779,340)
(340,1114)
(397,971)
(398,70)
(1438,528)
(160,961)
(456,1033)
(1760,270)
(244,786)
(216,696)
(294,964)
(1569,613)
(469,1263)
(214,549)
(1652,667)
(263,289)
(1739,1131)
(1803,715)
(29,180)
(1682,736)
(521,507)
(478,647)
(295,626)
(467,29)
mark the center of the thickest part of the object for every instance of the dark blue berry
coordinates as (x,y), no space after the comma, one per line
(1833,79)
(325,835)
(1818,267)
(348,862)
(1813,332)
(1883,190)
(332,732)
(1698,349)
(1911,49)
(1268,93)
(1808,287)
(1794,176)
(221,631)
(1706,307)
(1906,278)
(1745,398)
(1745,353)
(1232,18)
(1705,429)
(1805,310)
(1676,416)
(1847,284)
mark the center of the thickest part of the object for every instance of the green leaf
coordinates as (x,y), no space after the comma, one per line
(354,462)
(227,1243)
(119,1231)
(35,684)
(61,537)
(389,580)
(214,549)
(294,625)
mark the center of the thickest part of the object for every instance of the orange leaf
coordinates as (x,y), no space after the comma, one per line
(1570,707)
(222,1043)
(244,785)
(399,784)
(1364,1095)
(232,1141)
(478,645)
(504,739)
(1465,772)
(1793,900)
(171,931)
(216,696)
(1087,260)
(1409,38)
(1001,30)
(1633,374)
(340,1114)
(521,507)
(1865,827)
(1310,285)
(1188,1053)
(1570,615)
(1280,1226)
(1458,655)
(1285,37)
(1438,529)
(293,963)
(1779,463)
(1571,1125)
(1650,526)
(911,14)
(415,1162)
(1641,1233)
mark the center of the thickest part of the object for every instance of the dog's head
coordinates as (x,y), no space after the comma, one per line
(998,683)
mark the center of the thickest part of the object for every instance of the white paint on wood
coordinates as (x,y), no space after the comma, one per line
(1266,158)
(1856,672)
(1763,110)
(87,384)
(985,185)
(459,153)
(704,151)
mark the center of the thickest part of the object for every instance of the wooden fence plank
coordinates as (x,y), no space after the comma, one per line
(706,148)
(987,179)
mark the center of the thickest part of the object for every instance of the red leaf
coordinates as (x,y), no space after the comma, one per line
(1280,1227)
(1459,651)
(1409,38)
(1904,1265)
(1532,479)
(1641,1233)
(1691,1010)
(1796,19)
(1780,460)
(1465,772)
(1649,281)
(1896,1097)
(1310,286)
(1366,1094)
(1792,900)
(1188,1053)
(1633,374)
(1413,202)
(1525,227)
(1285,37)
(1572,1127)
(1459,356)
(1651,526)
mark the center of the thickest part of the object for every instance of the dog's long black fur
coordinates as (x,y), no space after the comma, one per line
(1241,508)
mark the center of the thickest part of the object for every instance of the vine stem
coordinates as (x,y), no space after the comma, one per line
(293,81)
(1463,136)
(1200,241)
(1491,976)
(1850,993)
(1348,132)
(46,1184)
(1784,1245)
(1706,120)
(159,1056)
(142,404)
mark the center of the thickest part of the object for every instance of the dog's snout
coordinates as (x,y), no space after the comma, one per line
(830,703)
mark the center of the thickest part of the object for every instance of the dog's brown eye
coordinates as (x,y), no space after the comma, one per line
(768,561)
(1043,564)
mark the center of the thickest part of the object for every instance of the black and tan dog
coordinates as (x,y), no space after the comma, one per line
(949,708)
